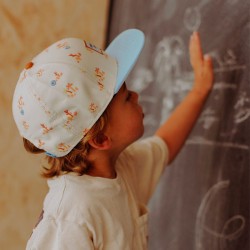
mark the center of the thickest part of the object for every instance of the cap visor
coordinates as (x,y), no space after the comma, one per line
(126,48)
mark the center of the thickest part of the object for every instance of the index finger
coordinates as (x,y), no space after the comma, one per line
(195,50)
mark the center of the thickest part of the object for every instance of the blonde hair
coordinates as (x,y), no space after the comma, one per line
(77,159)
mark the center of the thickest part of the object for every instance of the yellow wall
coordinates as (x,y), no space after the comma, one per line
(27,27)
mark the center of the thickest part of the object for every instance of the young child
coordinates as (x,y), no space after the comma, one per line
(71,103)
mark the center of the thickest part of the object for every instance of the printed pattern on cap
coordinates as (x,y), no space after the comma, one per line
(62,92)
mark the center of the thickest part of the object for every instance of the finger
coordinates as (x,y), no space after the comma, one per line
(196,54)
(196,47)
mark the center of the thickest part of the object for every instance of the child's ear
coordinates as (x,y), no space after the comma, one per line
(100,142)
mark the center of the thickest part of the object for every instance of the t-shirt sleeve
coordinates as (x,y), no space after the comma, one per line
(60,235)
(145,161)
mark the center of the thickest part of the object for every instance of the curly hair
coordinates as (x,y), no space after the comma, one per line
(77,159)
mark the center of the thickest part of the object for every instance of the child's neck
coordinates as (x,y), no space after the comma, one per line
(102,166)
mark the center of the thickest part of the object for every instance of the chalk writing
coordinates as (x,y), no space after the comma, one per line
(174,82)
(226,63)
(201,228)
(142,78)
(224,85)
(242,108)
(208,118)
(169,74)
(192,16)
(202,141)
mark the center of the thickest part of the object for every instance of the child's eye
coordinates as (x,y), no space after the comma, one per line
(128,96)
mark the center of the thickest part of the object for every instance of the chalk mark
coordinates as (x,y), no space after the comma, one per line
(202,141)
(229,68)
(242,111)
(204,209)
(227,63)
(224,85)
(192,16)
(208,118)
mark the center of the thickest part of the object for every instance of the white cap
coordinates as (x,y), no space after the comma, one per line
(63,91)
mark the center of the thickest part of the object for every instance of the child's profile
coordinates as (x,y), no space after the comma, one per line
(73,104)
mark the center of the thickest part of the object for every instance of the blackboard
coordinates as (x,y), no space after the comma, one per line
(202,201)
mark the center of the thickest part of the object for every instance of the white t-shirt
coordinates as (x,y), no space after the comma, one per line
(85,212)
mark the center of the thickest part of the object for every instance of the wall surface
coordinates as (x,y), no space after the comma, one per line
(27,27)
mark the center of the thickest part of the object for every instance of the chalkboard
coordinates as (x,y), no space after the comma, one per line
(202,200)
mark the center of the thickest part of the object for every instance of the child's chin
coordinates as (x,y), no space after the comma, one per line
(141,132)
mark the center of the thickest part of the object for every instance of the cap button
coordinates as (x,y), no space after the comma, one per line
(29,65)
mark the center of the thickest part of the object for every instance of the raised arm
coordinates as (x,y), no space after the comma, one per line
(180,123)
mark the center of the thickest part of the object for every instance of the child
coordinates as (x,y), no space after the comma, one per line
(72,103)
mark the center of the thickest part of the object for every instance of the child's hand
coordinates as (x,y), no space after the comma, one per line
(202,66)
(178,126)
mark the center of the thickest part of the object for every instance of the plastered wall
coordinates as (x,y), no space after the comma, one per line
(27,27)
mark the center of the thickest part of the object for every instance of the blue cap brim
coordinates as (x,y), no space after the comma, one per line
(126,48)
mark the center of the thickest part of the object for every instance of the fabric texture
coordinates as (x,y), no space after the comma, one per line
(85,212)
(64,90)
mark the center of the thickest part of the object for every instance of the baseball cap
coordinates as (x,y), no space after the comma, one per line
(64,90)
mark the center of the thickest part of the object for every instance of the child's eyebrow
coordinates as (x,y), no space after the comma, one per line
(124,87)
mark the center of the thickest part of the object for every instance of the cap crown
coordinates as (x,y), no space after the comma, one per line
(62,93)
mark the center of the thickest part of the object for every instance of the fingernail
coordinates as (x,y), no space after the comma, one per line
(207,57)
(195,33)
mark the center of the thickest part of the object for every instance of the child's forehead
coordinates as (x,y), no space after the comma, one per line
(119,94)
(122,89)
